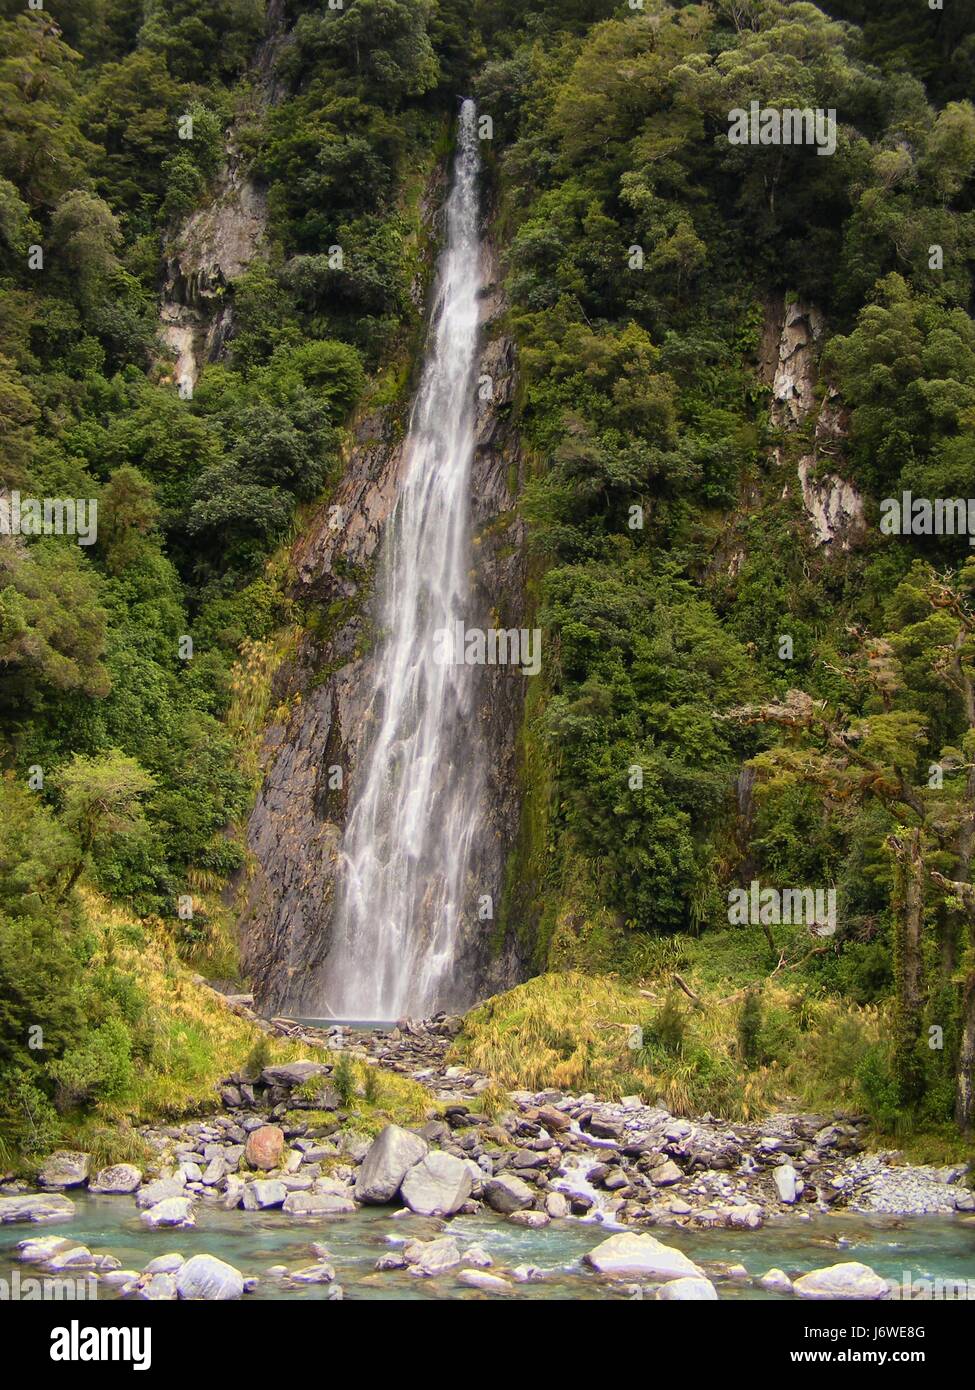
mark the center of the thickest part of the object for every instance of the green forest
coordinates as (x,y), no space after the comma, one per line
(724,698)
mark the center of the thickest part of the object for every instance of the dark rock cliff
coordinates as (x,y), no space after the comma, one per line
(295,831)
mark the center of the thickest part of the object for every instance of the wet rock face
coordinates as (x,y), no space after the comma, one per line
(211,250)
(789,365)
(295,831)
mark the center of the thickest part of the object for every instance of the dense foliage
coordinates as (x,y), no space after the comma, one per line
(645,258)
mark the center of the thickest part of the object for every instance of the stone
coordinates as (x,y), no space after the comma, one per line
(438,1185)
(38,1249)
(534,1220)
(75,1257)
(688,1290)
(115,1277)
(487,1283)
(157,1288)
(265,1147)
(118,1178)
(290,1074)
(506,1194)
(433,1256)
(172,1211)
(314,1274)
(35,1206)
(556,1205)
(389,1158)
(478,1257)
(264,1192)
(666,1174)
(216,1170)
(64,1168)
(785,1182)
(393,1260)
(165,1264)
(848,1280)
(206,1277)
(629,1253)
(317,1204)
(158,1191)
(748,1217)
(775,1281)
(553,1120)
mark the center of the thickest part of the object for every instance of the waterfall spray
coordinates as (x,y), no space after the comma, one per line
(415,806)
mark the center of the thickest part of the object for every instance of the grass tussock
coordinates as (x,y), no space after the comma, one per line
(737,1057)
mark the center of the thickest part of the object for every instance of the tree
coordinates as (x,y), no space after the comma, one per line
(101,799)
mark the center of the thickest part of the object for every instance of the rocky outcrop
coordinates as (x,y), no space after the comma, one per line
(789,366)
(295,831)
(211,250)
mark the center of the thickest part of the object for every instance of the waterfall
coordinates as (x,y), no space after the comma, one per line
(415,801)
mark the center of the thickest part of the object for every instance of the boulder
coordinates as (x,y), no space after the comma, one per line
(154,1287)
(265,1147)
(75,1257)
(119,1178)
(171,1211)
(37,1207)
(688,1290)
(506,1194)
(556,1205)
(487,1283)
(165,1264)
(849,1280)
(64,1168)
(290,1074)
(206,1277)
(159,1191)
(629,1253)
(433,1256)
(264,1192)
(317,1204)
(785,1177)
(389,1158)
(666,1174)
(775,1281)
(437,1186)
(313,1274)
(38,1249)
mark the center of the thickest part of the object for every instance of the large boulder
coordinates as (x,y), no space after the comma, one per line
(389,1158)
(848,1280)
(438,1185)
(666,1174)
(171,1211)
(38,1249)
(290,1074)
(264,1192)
(786,1179)
(64,1168)
(432,1256)
(204,1276)
(160,1190)
(317,1204)
(36,1206)
(629,1253)
(119,1178)
(265,1147)
(507,1193)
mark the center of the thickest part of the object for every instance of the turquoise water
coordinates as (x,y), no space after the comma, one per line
(927,1248)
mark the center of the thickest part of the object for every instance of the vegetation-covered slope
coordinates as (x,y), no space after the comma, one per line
(647,263)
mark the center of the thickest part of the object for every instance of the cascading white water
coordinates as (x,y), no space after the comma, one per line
(415,806)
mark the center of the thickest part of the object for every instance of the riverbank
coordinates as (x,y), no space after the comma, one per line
(289,1150)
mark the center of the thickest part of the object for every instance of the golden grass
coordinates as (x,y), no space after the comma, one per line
(579,1032)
